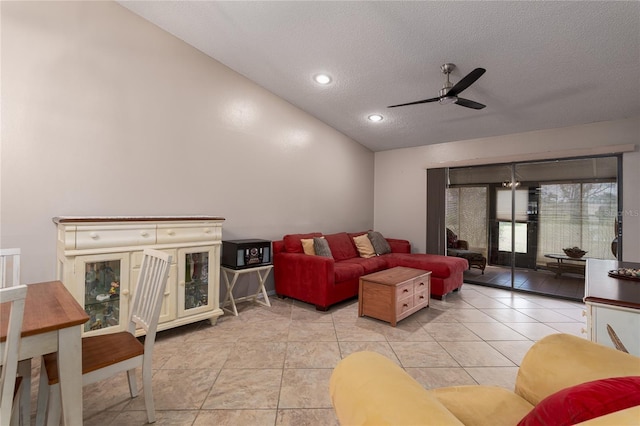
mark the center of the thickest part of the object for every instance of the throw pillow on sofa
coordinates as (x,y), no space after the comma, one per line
(321,247)
(307,246)
(585,401)
(363,244)
(380,245)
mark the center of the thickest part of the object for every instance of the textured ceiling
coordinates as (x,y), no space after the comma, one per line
(549,64)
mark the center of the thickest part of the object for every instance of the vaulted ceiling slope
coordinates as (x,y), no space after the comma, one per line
(549,64)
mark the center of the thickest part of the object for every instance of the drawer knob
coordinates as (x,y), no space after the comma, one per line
(125,292)
(405,291)
(583,331)
(182,283)
(405,305)
(421,283)
(144,233)
(207,230)
(93,235)
(171,232)
(421,297)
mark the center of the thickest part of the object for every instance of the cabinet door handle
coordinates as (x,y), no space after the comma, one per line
(144,233)
(182,283)
(94,235)
(125,292)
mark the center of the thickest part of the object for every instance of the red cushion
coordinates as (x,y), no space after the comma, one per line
(342,246)
(292,242)
(585,401)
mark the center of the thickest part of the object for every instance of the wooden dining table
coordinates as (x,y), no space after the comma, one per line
(52,323)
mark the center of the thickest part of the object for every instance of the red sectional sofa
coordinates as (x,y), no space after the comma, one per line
(324,281)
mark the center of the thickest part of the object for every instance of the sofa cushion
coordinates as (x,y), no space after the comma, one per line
(345,271)
(364,247)
(342,246)
(307,246)
(371,264)
(585,401)
(378,242)
(321,247)
(292,242)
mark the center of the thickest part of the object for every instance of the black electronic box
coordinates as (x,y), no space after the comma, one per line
(241,254)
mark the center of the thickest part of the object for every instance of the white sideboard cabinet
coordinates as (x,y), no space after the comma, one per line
(99,261)
(612,305)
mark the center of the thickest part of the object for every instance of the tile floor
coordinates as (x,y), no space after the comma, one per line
(271,366)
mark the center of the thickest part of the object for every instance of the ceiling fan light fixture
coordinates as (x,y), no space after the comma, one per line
(446,100)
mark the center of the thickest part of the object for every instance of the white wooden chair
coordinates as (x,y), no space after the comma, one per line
(108,354)
(10,383)
(9,277)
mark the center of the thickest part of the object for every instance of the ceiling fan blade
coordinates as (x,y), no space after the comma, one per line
(424,101)
(467,81)
(469,104)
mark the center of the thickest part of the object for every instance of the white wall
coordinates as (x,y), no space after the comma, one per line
(400,178)
(105,114)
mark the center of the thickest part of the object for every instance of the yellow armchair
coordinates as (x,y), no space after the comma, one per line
(367,388)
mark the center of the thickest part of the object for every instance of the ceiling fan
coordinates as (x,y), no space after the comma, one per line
(449,94)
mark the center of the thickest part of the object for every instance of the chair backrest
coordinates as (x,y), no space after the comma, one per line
(16,296)
(149,292)
(9,267)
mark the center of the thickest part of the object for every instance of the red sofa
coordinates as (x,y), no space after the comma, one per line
(324,281)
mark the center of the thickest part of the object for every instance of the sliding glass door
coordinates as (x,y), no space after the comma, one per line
(522,216)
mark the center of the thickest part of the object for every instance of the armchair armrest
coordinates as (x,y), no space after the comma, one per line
(302,276)
(367,388)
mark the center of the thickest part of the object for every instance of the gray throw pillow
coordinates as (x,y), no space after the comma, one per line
(321,246)
(380,245)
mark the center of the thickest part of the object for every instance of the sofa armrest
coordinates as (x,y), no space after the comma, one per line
(559,361)
(299,274)
(399,246)
(367,388)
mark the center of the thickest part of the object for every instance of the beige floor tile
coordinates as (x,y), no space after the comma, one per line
(514,350)
(407,330)
(545,315)
(257,355)
(245,388)
(494,331)
(518,302)
(177,389)
(432,378)
(199,355)
(508,315)
(306,312)
(383,348)
(236,418)
(422,354)
(484,302)
(305,388)
(358,332)
(265,331)
(345,313)
(450,332)
(504,377)
(304,331)
(576,314)
(163,418)
(476,354)
(532,330)
(449,302)
(312,355)
(575,328)
(307,417)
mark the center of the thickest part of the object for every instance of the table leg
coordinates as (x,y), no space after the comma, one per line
(70,373)
(261,279)
(229,297)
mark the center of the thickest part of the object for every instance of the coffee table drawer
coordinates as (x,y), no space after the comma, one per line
(405,291)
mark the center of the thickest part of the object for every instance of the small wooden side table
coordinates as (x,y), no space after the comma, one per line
(394,294)
(230,280)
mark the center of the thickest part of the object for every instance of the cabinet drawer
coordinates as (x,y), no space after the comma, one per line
(178,233)
(421,298)
(122,236)
(404,291)
(404,305)
(421,284)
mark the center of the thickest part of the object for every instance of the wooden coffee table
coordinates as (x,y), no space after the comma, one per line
(394,294)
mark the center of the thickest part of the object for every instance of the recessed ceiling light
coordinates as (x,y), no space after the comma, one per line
(375,117)
(322,79)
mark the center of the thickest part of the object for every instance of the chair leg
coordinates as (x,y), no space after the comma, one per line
(43,396)
(54,408)
(133,386)
(148,392)
(24,370)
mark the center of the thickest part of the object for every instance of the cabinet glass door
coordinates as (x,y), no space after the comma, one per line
(196,283)
(106,289)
